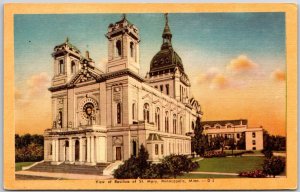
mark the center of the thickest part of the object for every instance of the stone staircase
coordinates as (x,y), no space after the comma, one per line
(70,168)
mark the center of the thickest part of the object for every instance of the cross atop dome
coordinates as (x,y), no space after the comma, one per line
(167,35)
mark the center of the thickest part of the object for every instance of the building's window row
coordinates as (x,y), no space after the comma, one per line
(157,119)
(161,88)
(183,93)
(182,147)
(217,126)
(118,48)
(226,135)
(119,113)
(61,66)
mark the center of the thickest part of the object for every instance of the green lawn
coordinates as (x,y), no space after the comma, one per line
(22,164)
(230,164)
(192,176)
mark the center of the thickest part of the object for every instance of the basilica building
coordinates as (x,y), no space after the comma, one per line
(105,116)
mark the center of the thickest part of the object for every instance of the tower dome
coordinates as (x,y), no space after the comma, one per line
(166,60)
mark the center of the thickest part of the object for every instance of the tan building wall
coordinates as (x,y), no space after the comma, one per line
(235,129)
(254,139)
(105,116)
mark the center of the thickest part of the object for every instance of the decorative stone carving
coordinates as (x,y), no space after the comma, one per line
(70,124)
(54,125)
(118,140)
(88,110)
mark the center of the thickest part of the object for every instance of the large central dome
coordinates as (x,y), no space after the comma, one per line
(166,59)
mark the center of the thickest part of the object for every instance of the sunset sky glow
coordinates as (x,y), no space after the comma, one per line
(235,61)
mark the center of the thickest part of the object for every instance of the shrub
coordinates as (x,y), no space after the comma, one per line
(253,174)
(274,166)
(29,147)
(129,170)
(267,153)
(139,167)
(155,171)
(175,165)
(32,152)
(209,154)
(134,167)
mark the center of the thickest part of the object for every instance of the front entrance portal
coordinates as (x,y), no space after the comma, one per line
(76,150)
(134,148)
(118,154)
(67,151)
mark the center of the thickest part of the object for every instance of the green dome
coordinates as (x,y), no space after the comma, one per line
(166,59)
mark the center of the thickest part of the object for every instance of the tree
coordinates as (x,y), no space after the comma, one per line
(231,144)
(199,141)
(29,147)
(274,165)
(142,159)
(241,143)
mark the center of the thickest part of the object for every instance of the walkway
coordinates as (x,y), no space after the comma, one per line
(63,175)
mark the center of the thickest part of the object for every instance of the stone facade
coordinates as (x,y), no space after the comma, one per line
(104,116)
(235,129)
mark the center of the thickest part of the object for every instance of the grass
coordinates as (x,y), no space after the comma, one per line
(19,165)
(196,176)
(230,164)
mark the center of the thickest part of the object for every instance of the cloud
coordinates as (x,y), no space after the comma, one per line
(35,87)
(220,81)
(208,75)
(278,75)
(241,64)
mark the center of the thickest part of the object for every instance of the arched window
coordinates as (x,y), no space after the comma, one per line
(181,125)
(146,112)
(133,111)
(157,118)
(61,66)
(119,114)
(60,119)
(67,144)
(193,125)
(167,122)
(73,67)
(118,48)
(174,124)
(131,49)
(50,149)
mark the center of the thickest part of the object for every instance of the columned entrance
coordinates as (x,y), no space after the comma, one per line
(67,150)
(118,154)
(77,151)
(134,148)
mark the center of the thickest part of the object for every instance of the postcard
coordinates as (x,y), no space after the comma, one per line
(150,96)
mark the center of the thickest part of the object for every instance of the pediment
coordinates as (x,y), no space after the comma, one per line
(83,76)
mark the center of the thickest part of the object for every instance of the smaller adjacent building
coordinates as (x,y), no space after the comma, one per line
(235,129)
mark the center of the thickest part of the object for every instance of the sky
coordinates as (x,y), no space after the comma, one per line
(235,61)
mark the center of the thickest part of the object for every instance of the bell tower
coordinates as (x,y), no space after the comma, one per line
(66,62)
(123,46)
